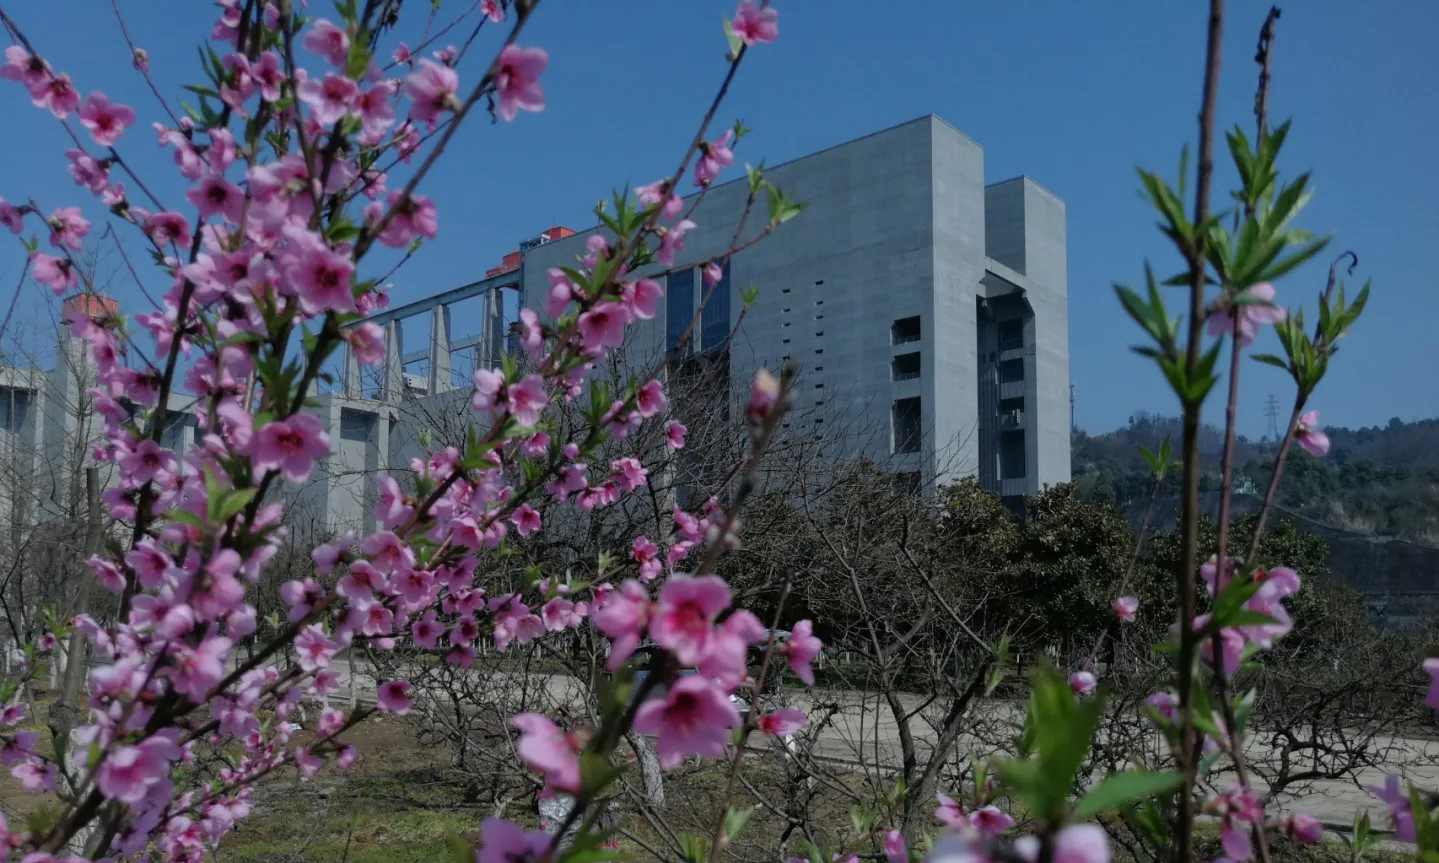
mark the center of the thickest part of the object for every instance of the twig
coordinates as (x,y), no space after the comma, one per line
(1189,511)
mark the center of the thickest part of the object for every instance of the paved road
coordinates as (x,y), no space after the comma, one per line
(865,725)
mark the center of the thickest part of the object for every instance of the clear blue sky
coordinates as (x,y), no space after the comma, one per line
(1074,95)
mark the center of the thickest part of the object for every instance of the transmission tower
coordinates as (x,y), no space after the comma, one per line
(1271,412)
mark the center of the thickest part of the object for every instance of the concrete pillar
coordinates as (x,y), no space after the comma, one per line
(439,349)
(392,386)
(350,383)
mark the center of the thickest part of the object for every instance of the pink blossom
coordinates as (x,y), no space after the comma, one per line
(390,507)
(560,614)
(86,171)
(488,384)
(11,217)
(68,228)
(623,617)
(1234,838)
(393,696)
(628,473)
(781,723)
(603,326)
(1231,643)
(367,341)
(290,446)
(376,112)
(763,395)
(548,751)
(34,776)
(1274,585)
(1431,667)
(413,216)
(715,156)
(1082,683)
(491,9)
(895,851)
(990,821)
(216,195)
(526,519)
(148,562)
(753,24)
(517,82)
(194,671)
(675,434)
(22,66)
(1401,818)
(327,40)
(672,241)
(800,649)
(1308,435)
(1077,843)
(650,399)
(401,54)
(684,624)
(712,273)
(724,661)
(527,399)
(562,291)
(1125,607)
(167,227)
(129,772)
(502,841)
(105,121)
(431,89)
(1250,315)
(268,74)
(18,747)
(949,812)
(693,718)
(55,94)
(1164,703)
(640,298)
(1304,829)
(656,192)
(146,462)
(313,649)
(330,98)
(322,278)
(426,631)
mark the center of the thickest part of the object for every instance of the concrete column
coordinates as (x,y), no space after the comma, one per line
(392,386)
(350,383)
(439,349)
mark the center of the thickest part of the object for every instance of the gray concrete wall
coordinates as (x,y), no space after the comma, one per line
(1025,230)
(959,252)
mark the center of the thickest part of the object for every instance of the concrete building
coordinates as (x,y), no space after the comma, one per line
(927,310)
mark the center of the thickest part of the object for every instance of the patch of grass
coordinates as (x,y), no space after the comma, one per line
(352,829)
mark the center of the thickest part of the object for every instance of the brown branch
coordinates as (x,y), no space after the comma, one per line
(1189,513)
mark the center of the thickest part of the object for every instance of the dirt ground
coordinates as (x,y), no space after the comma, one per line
(401,802)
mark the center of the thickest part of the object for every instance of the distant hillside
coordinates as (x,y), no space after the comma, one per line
(1381,480)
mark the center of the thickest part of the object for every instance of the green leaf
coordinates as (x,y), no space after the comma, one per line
(459,850)
(1120,789)
(735,820)
(694,849)
(732,39)
(1272,360)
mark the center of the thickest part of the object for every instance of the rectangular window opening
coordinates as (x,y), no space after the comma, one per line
(904,331)
(905,366)
(906,418)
